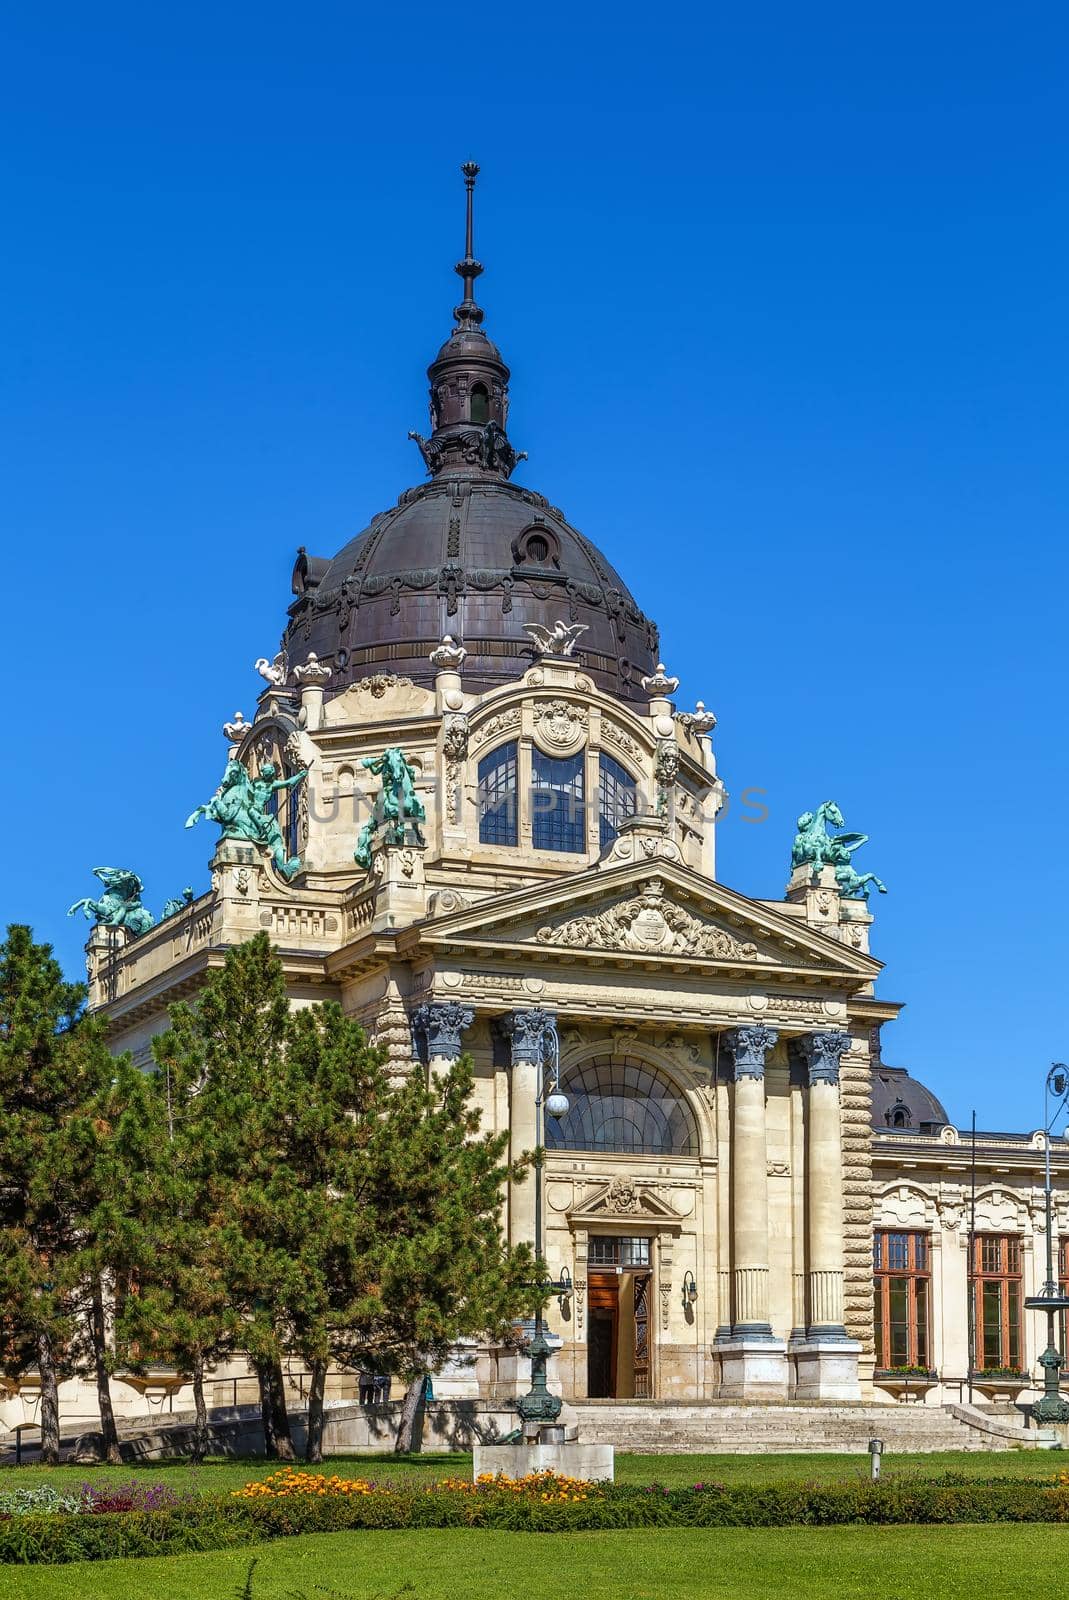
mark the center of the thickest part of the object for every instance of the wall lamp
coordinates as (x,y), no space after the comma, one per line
(565,1289)
(690,1289)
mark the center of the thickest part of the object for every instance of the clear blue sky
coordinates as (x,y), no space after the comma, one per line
(784,293)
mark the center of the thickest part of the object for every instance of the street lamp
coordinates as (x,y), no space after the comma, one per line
(538,1406)
(1051,1408)
(690,1290)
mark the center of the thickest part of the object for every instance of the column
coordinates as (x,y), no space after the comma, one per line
(749,1183)
(824,1185)
(440,1023)
(526,1032)
(826,1361)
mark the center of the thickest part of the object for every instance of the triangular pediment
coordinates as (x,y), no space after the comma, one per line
(622,1200)
(637,912)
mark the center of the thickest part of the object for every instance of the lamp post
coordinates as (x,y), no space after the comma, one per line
(1051,1408)
(538,1406)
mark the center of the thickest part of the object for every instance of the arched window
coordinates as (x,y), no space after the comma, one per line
(497,796)
(616,798)
(622,1105)
(479,403)
(558,814)
(898,1116)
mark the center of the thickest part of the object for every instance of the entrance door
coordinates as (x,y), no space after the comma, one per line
(603,1318)
(641,1385)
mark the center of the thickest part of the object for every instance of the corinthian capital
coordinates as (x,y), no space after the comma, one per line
(441,1023)
(749,1047)
(530,1033)
(821,1053)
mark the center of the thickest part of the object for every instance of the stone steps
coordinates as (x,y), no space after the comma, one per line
(732,1430)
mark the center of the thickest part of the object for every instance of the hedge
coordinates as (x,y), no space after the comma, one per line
(218,1521)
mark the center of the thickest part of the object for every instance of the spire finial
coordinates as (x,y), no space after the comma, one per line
(468,314)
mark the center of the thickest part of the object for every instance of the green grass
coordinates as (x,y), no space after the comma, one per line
(219,1476)
(728,1564)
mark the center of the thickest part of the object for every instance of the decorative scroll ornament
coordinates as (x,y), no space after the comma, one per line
(748,1048)
(276,672)
(454,748)
(650,923)
(504,722)
(441,1024)
(235,731)
(659,683)
(379,682)
(314,673)
(559,640)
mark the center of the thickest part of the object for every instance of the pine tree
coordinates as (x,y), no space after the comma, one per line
(52,1072)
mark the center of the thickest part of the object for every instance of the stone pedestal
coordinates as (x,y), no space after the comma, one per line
(594,1463)
(825,1369)
(752,1369)
(401,896)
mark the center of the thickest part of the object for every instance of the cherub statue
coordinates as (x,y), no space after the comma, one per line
(120,904)
(560,640)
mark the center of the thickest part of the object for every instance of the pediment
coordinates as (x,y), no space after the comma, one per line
(663,913)
(622,1200)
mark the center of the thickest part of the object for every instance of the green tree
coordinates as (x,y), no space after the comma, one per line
(53,1069)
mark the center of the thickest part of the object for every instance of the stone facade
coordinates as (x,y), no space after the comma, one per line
(714,1189)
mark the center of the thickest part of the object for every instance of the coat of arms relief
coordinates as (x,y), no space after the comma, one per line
(649,922)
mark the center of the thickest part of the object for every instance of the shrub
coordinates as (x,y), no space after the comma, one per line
(293,1502)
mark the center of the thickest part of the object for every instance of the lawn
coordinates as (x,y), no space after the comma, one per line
(677,1470)
(726,1564)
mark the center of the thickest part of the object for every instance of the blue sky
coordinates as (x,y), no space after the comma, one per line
(784,294)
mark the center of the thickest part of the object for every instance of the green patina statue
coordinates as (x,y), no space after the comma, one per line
(240,805)
(814,846)
(120,904)
(177,903)
(397,808)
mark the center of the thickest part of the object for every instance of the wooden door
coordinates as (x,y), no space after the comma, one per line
(643,1364)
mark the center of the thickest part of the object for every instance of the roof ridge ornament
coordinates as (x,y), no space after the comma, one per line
(468,314)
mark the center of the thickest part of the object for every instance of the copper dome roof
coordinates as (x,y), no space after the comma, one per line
(469,553)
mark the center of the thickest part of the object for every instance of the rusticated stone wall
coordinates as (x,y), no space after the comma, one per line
(856,1098)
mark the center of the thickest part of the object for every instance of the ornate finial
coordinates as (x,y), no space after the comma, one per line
(659,683)
(314,673)
(468,314)
(235,731)
(698,721)
(448,656)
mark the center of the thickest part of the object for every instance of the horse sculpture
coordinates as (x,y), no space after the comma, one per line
(241,804)
(814,846)
(397,808)
(120,904)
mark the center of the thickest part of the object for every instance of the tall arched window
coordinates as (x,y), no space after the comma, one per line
(479,403)
(616,797)
(558,813)
(497,796)
(621,1104)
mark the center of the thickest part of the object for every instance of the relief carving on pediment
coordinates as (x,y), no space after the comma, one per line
(649,923)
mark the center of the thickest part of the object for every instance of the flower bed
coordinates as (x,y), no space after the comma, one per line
(294,1502)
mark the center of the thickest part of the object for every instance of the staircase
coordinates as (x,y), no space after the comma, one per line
(722,1429)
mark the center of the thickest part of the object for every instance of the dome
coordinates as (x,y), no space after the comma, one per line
(477,557)
(469,554)
(902,1105)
